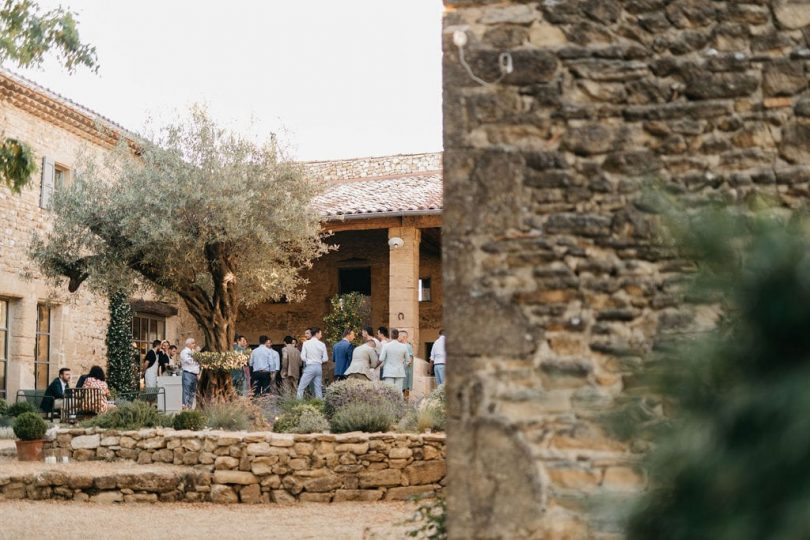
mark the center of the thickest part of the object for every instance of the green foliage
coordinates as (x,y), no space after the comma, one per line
(301,418)
(16,409)
(342,393)
(17,164)
(3,407)
(191,419)
(360,416)
(132,415)
(430,520)
(729,461)
(122,370)
(105,231)
(228,415)
(350,310)
(27,34)
(430,414)
(30,426)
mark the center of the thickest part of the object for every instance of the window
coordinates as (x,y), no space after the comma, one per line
(53,177)
(354,280)
(146,329)
(61,176)
(3,345)
(42,347)
(424,289)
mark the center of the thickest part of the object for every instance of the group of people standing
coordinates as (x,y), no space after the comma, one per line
(386,356)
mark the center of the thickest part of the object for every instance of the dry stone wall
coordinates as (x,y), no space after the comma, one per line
(228,467)
(555,288)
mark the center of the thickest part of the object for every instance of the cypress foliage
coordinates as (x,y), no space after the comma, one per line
(122,370)
(731,461)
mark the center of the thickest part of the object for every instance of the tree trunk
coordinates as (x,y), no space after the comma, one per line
(216,316)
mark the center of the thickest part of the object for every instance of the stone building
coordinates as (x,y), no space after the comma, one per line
(368,202)
(548,239)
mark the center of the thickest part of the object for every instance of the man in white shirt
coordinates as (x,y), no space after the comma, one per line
(191,371)
(313,356)
(438,356)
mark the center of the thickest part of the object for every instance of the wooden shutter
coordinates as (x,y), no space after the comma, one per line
(46,191)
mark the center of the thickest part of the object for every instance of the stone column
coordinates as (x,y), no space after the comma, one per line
(403,284)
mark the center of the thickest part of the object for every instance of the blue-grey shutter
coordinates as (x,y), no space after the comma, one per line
(46,191)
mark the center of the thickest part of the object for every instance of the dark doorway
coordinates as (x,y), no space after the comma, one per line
(354,280)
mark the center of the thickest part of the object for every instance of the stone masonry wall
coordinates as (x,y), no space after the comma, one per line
(229,467)
(348,169)
(554,286)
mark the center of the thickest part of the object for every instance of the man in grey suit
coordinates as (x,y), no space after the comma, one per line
(394,358)
(364,361)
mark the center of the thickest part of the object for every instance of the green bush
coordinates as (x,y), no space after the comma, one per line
(19,408)
(3,407)
(193,420)
(132,415)
(30,427)
(301,418)
(430,519)
(366,417)
(228,415)
(374,394)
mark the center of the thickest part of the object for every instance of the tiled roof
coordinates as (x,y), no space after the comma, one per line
(418,193)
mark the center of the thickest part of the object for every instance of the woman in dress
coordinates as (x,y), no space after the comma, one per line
(164,358)
(96,379)
(151,366)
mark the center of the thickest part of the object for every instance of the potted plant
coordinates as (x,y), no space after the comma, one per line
(30,429)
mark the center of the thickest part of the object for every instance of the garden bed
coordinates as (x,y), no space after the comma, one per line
(263,467)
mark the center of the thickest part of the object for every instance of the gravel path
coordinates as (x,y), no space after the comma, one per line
(177,521)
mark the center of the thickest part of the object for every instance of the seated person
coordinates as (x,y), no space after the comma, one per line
(96,379)
(80,382)
(55,394)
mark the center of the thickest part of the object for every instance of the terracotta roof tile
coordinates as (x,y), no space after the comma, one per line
(416,193)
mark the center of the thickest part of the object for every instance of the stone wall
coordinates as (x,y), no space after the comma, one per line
(230,467)
(555,289)
(370,167)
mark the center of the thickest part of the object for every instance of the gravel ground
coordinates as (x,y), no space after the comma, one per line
(177,521)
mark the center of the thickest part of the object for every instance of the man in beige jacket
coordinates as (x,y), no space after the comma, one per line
(364,361)
(290,364)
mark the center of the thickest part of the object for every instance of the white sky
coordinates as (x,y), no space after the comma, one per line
(335,78)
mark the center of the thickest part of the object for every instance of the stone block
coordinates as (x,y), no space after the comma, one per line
(281,496)
(192,445)
(323,483)
(110,441)
(80,481)
(285,440)
(400,453)
(235,477)
(367,495)
(226,463)
(251,494)
(127,442)
(191,458)
(223,494)
(107,497)
(354,448)
(315,497)
(85,442)
(426,472)
(106,482)
(380,478)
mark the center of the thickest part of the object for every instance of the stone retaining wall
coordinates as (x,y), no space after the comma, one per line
(228,467)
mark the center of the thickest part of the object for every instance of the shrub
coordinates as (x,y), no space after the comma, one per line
(30,426)
(432,412)
(19,408)
(228,415)
(359,416)
(430,520)
(311,421)
(193,420)
(3,407)
(132,415)
(301,418)
(374,394)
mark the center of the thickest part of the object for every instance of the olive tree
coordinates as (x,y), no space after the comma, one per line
(199,212)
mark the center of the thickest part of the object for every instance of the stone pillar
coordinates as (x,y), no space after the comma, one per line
(403,283)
